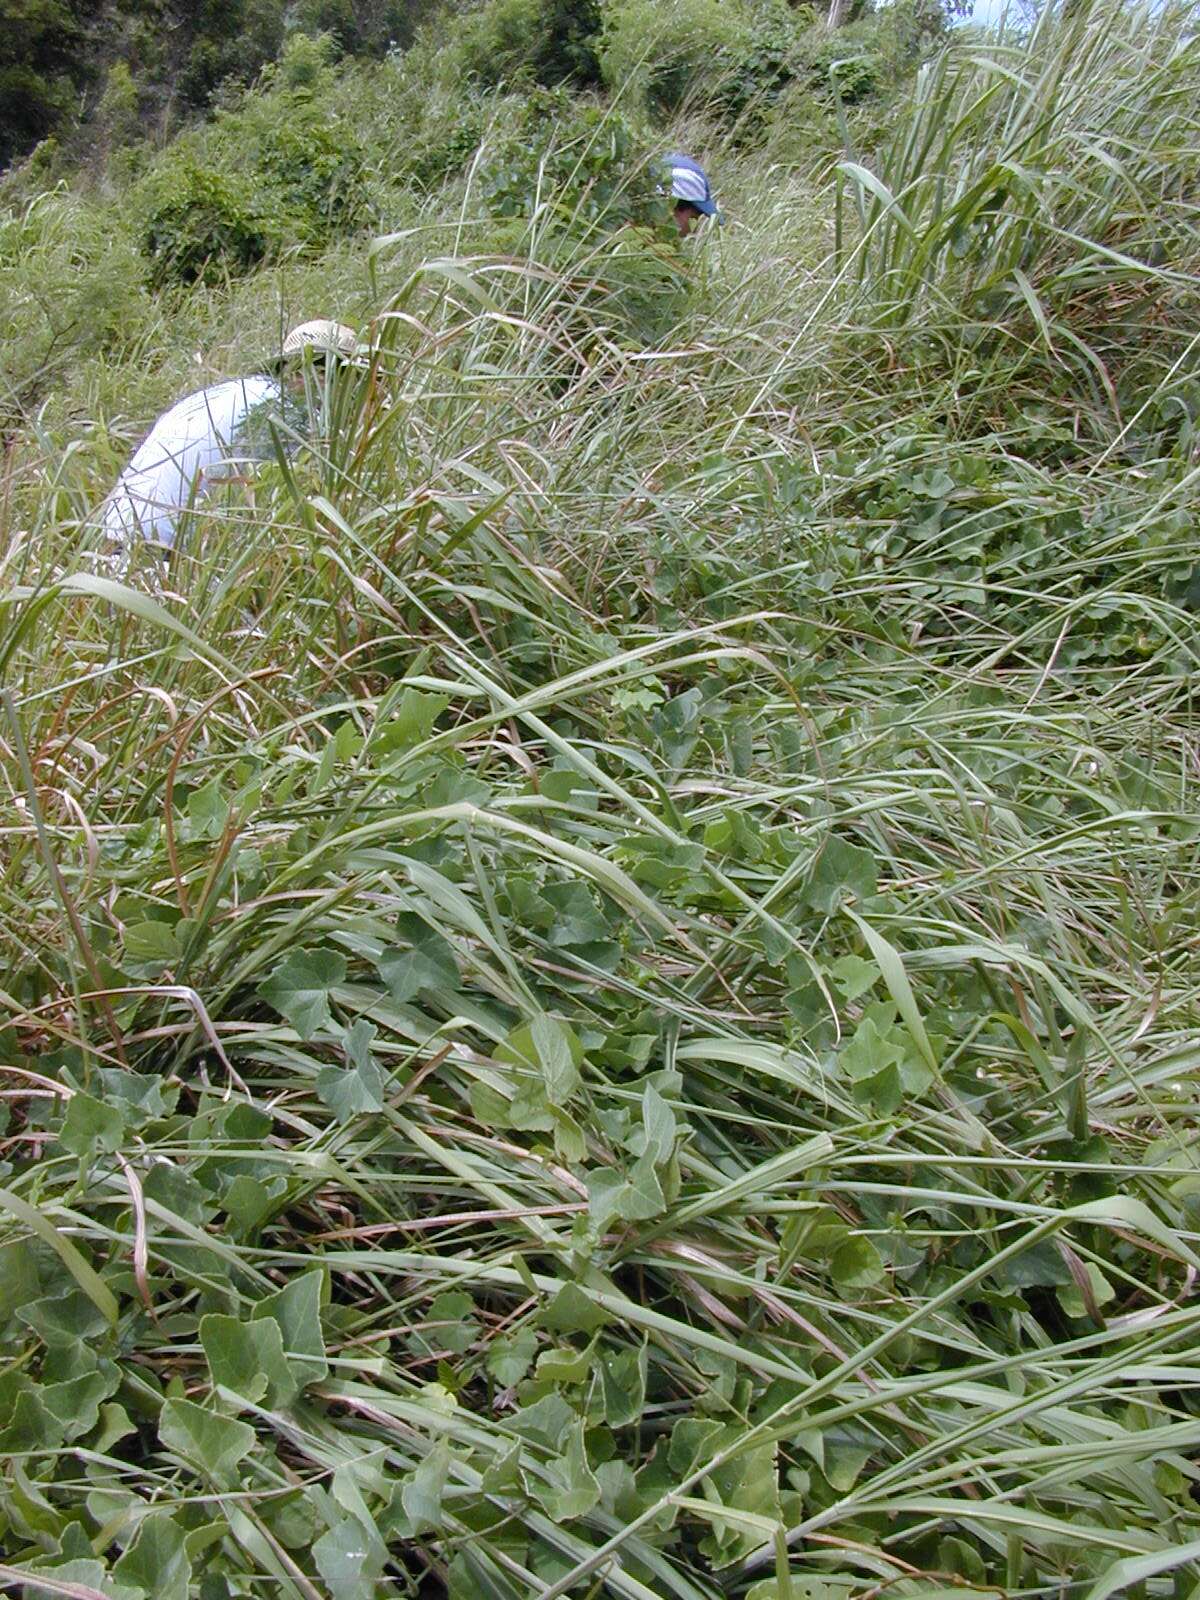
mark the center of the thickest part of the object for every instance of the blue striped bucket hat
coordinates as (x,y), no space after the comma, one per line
(689,182)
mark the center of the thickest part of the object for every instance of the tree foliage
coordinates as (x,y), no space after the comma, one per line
(43,66)
(54,53)
(546,41)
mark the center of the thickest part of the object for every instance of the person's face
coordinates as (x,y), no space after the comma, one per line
(294,374)
(686,218)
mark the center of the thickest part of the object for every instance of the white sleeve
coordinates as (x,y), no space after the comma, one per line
(190,446)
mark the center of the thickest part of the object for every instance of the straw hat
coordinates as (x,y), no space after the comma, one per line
(323,338)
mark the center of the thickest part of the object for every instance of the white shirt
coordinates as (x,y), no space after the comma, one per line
(190,447)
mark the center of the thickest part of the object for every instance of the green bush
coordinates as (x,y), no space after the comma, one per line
(310,163)
(663,51)
(792,56)
(200,224)
(639,285)
(231,39)
(550,41)
(908,32)
(752,77)
(574,191)
(280,165)
(334,19)
(360,27)
(117,114)
(305,63)
(303,149)
(576,159)
(874,54)
(416,119)
(445,147)
(847,60)
(855,79)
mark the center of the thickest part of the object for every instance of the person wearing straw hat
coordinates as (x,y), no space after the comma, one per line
(690,190)
(210,438)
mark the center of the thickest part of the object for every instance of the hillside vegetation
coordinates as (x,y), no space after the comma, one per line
(598,984)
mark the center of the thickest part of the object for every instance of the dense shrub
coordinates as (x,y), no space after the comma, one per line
(792,60)
(200,225)
(578,160)
(661,51)
(360,27)
(845,63)
(116,119)
(874,54)
(305,64)
(413,114)
(334,19)
(853,81)
(231,39)
(740,60)
(574,191)
(638,286)
(306,157)
(300,139)
(909,31)
(550,41)
(751,76)
(446,146)
(281,165)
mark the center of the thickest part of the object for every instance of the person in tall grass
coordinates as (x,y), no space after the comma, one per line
(210,438)
(690,190)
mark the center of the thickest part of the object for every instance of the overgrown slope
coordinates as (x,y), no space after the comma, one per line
(600,993)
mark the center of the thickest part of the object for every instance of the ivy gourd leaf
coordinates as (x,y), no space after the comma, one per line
(573,1489)
(577,919)
(206,1439)
(545,1421)
(91,1125)
(157,1560)
(573,1311)
(357,1088)
(427,964)
(615,1196)
(297,1309)
(567,1365)
(411,721)
(76,1402)
(247,1358)
(88,1574)
(151,944)
(299,988)
(552,1050)
(207,811)
(63,1320)
(452,1322)
(350,1559)
(622,1385)
(657,1132)
(510,1356)
(749,1484)
(841,872)
(422,1494)
(857,1264)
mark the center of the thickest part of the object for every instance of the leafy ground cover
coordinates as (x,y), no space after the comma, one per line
(599,987)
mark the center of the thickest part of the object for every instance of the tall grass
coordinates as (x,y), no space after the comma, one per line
(600,997)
